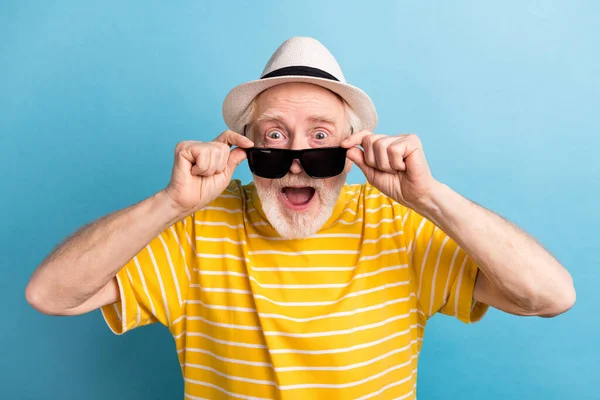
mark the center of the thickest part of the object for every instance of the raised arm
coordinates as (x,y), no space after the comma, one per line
(518,275)
(79,276)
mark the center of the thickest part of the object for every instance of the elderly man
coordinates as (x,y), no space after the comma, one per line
(300,286)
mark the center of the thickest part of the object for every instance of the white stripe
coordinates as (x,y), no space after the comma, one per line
(139,311)
(460,277)
(251,209)
(371,196)
(301,253)
(261,224)
(160,284)
(219,273)
(326,303)
(118,312)
(337,314)
(301,269)
(227,210)
(351,211)
(327,285)
(222,325)
(382,221)
(231,377)
(449,277)
(308,286)
(368,210)
(220,389)
(425,260)
(173,274)
(437,264)
(208,223)
(316,236)
(384,252)
(374,210)
(139,270)
(220,307)
(351,348)
(187,269)
(220,290)
(225,342)
(408,210)
(351,366)
(404,396)
(349,384)
(218,240)
(341,331)
(181,318)
(341,221)
(189,396)
(220,256)
(225,359)
(391,235)
(386,387)
(229,196)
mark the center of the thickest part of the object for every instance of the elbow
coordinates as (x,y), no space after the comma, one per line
(38,298)
(561,301)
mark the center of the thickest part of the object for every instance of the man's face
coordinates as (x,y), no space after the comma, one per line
(299,116)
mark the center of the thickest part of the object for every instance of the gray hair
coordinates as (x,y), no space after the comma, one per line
(247,118)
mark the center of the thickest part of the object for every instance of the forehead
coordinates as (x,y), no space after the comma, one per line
(299,99)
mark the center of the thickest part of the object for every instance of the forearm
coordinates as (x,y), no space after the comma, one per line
(519,267)
(87,261)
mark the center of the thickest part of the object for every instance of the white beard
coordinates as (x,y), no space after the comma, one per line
(299,224)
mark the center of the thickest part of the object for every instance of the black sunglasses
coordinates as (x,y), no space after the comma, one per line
(323,162)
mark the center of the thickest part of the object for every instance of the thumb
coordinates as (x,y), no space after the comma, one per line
(357,156)
(236,156)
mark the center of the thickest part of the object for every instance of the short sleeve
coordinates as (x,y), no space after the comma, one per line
(444,274)
(153,286)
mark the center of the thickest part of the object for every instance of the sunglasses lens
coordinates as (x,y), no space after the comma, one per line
(269,163)
(324,162)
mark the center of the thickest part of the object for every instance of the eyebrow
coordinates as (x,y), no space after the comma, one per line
(270,116)
(280,117)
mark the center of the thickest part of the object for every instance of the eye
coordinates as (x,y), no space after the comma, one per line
(274,135)
(320,135)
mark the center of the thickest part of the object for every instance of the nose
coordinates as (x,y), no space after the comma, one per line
(298,142)
(296,168)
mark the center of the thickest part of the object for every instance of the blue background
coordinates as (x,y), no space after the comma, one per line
(94,96)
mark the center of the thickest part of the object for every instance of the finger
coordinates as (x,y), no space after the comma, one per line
(182,151)
(202,162)
(355,139)
(396,154)
(214,161)
(356,155)
(380,149)
(222,156)
(236,156)
(232,138)
(368,143)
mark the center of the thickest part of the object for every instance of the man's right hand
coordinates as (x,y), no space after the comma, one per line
(202,170)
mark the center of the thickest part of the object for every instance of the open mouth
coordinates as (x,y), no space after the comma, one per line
(298,198)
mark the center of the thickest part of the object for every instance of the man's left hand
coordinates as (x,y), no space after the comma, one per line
(395,165)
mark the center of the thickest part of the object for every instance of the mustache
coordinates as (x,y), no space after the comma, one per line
(300,180)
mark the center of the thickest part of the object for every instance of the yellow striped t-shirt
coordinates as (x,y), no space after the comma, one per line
(339,315)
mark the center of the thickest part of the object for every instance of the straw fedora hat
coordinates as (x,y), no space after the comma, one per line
(299,59)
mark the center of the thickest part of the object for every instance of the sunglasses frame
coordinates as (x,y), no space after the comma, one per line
(299,155)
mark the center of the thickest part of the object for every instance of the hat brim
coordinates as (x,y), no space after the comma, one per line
(240,97)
